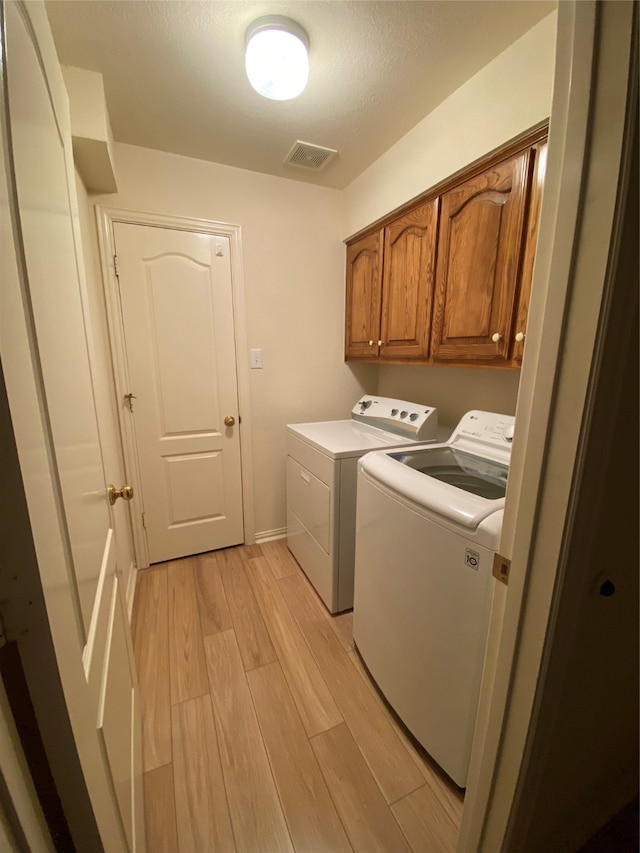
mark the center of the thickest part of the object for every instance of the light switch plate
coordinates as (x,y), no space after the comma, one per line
(256,359)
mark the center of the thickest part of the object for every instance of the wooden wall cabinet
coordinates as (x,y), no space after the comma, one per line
(364,290)
(390,277)
(531,240)
(407,282)
(447,280)
(479,250)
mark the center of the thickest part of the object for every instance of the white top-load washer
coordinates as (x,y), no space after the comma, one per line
(428,524)
(321,485)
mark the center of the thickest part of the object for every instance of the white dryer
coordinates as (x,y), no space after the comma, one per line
(427,527)
(322,462)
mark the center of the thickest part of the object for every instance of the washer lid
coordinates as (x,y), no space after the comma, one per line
(342,439)
(477,475)
(444,494)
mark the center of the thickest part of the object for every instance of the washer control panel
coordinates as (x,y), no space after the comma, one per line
(486,427)
(415,420)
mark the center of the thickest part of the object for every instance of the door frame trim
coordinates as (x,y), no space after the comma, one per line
(106,218)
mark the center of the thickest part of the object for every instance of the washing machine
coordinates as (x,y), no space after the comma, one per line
(428,524)
(322,462)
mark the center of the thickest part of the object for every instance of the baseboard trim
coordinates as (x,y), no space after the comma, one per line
(270,535)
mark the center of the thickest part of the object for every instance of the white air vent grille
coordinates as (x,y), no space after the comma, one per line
(309,156)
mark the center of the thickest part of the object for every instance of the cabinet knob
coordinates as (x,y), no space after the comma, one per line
(380,343)
(370,343)
(520,337)
(496,337)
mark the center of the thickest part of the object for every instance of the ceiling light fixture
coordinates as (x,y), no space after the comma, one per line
(276,57)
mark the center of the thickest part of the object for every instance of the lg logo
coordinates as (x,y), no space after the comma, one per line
(472,559)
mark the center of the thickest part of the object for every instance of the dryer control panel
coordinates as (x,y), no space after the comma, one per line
(413,420)
(487,428)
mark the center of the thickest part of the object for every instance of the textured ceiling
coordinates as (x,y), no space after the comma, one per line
(175,81)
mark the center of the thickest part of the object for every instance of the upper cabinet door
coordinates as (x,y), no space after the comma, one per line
(364,285)
(479,250)
(531,241)
(409,270)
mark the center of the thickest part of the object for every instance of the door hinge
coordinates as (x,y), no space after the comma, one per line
(144,524)
(501,568)
(116,269)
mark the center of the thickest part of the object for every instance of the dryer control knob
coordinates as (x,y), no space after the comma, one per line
(394,412)
(403,414)
(413,416)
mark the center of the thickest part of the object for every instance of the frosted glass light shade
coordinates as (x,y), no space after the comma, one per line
(276,57)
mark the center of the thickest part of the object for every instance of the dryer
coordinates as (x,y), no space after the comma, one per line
(322,462)
(428,523)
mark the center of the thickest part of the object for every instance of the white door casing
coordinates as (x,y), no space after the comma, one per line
(177,310)
(564,341)
(43,346)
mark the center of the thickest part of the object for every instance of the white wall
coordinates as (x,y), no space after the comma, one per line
(507,97)
(294,264)
(293,255)
(453,390)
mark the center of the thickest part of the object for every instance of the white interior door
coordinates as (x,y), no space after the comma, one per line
(44,351)
(177,309)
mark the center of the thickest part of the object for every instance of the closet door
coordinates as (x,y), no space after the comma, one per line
(44,351)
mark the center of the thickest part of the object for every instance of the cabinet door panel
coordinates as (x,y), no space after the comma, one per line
(531,241)
(479,251)
(364,284)
(408,277)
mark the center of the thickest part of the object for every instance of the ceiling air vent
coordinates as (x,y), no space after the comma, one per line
(309,156)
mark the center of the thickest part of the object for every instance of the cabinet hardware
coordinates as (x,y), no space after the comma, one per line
(520,337)
(370,343)
(496,337)
(380,343)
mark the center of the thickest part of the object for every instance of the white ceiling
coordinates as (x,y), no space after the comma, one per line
(175,81)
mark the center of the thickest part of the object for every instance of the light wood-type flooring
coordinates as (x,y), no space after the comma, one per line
(261,729)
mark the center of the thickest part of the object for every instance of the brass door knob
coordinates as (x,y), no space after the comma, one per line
(229,420)
(125,492)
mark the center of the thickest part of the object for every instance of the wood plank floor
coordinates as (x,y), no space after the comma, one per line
(262,729)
